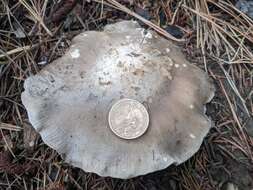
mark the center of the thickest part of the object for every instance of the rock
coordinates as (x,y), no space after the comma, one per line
(246,7)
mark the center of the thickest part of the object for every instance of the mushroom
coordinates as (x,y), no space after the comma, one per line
(68,101)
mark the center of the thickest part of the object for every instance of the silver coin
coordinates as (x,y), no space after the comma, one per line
(128,119)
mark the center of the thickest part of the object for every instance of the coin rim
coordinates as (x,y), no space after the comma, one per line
(145,112)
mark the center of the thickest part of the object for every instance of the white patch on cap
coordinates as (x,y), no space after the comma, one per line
(83,34)
(140,29)
(165,159)
(128,37)
(146,34)
(176,65)
(191,106)
(167,50)
(192,136)
(149,35)
(75,54)
(184,65)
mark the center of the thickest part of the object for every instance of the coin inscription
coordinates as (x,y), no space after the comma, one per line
(128,118)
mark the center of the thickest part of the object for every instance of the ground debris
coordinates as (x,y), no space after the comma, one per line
(30,137)
(219,35)
(55,186)
(62,10)
(7,165)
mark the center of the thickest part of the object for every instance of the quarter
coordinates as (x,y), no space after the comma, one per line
(128,119)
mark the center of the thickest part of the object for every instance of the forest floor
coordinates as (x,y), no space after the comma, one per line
(217,37)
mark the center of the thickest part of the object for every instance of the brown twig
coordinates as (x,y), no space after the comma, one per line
(61,13)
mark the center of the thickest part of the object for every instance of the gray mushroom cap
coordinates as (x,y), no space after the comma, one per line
(69,100)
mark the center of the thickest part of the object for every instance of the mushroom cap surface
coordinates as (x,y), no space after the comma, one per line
(69,100)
